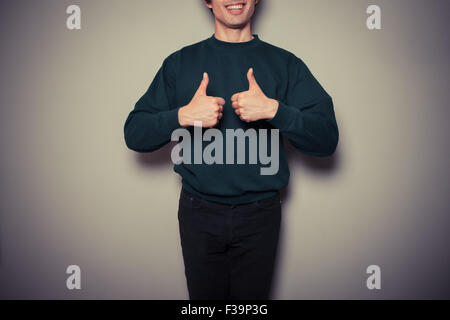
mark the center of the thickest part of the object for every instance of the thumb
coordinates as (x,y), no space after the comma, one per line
(252,84)
(201,91)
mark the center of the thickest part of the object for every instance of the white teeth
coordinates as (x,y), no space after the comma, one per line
(235,7)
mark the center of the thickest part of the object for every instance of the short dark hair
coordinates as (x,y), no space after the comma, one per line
(209,2)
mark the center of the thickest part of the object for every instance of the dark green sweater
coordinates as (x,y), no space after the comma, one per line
(305,114)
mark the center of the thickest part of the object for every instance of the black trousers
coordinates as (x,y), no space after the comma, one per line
(228,250)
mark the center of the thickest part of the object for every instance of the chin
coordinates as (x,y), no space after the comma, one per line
(235,24)
(235,21)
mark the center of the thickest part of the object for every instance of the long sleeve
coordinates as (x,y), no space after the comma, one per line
(149,125)
(306,116)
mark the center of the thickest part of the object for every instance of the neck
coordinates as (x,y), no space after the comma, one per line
(224,33)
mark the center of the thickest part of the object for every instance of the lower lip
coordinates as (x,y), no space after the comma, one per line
(236,12)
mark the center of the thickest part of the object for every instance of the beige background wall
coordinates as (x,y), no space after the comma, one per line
(72,193)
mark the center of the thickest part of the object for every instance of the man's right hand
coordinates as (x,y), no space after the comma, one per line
(202,108)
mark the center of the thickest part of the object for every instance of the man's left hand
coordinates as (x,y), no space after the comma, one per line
(253,104)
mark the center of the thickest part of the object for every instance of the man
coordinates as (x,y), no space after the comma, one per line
(229,213)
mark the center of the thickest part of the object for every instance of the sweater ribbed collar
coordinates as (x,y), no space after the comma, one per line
(232,46)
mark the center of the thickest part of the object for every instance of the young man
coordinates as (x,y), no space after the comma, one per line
(230,211)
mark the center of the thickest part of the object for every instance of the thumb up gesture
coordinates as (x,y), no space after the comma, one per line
(202,108)
(253,104)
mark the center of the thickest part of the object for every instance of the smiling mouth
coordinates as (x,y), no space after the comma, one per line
(236,8)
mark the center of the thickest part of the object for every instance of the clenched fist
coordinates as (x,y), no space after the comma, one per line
(253,104)
(202,108)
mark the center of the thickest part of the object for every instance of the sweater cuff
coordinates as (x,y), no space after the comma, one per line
(170,119)
(284,116)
